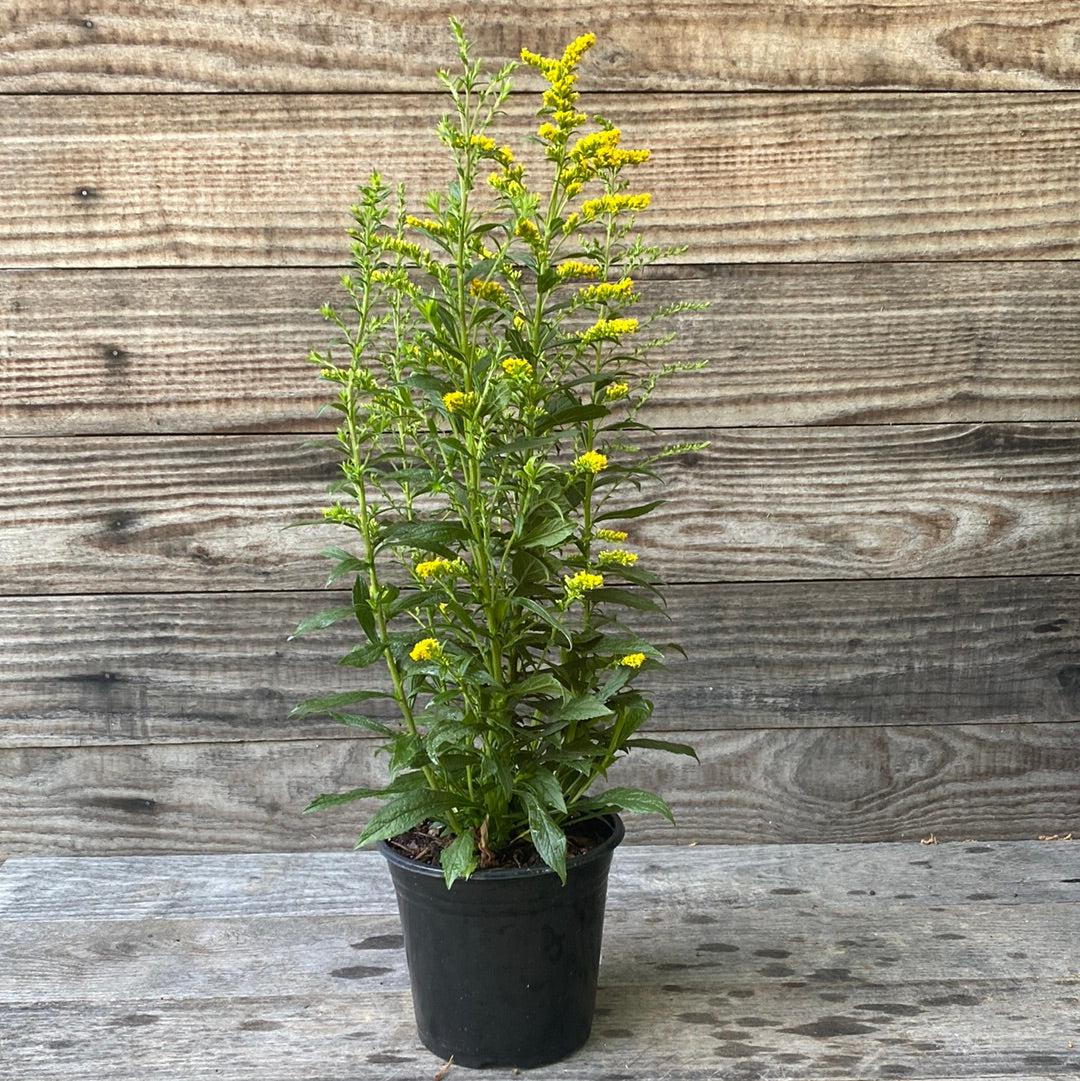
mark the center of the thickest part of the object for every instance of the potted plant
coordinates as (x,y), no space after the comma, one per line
(488,378)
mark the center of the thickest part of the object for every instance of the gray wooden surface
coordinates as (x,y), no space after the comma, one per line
(242,180)
(397,44)
(795,343)
(862,962)
(877,559)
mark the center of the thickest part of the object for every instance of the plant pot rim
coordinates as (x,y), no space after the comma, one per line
(618,831)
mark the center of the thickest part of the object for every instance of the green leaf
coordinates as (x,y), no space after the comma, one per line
(346,564)
(634,799)
(548,535)
(583,708)
(329,703)
(543,614)
(320,620)
(356,720)
(574,415)
(362,656)
(540,683)
(543,784)
(402,814)
(630,512)
(549,840)
(362,608)
(627,598)
(458,859)
(664,745)
(336,799)
(406,750)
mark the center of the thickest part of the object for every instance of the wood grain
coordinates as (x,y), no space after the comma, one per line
(930,1032)
(303,955)
(189,180)
(787,786)
(396,45)
(159,668)
(127,514)
(698,884)
(90,352)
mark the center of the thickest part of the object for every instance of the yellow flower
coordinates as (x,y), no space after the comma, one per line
(592,461)
(574,269)
(632,660)
(580,583)
(438,567)
(605,291)
(617,557)
(614,391)
(429,225)
(483,143)
(427,649)
(614,204)
(458,402)
(527,230)
(613,535)
(607,330)
(560,100)
(486,290)
(517,367)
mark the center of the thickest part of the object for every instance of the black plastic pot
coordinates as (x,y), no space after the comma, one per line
(503,966)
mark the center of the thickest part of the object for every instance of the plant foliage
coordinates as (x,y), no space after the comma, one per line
(489,375)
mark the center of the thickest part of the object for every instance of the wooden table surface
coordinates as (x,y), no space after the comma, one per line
(809,961)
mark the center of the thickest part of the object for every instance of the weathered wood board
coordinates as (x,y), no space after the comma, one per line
(226,180)
(214,667)
(780,786)
(209,512)
(787,344)
(396,45)
(842,962)
(843,880)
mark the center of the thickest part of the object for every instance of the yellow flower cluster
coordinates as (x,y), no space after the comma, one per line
(490,149)
(560,99)
(427,649)
(607,330)
(517,367)
(457,401)
(614,204)
(574,269)
(412,251)
(527,230)
(597,151)
(616,391)
(592,461)
(508,181)
(616,536)
(618,557)
(439,568)
(579,584)
(632,660)
(485,290)
(603,292)
(429,225)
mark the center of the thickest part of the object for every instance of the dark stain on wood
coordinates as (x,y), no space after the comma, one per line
(135,805)
(827,1028)
(359,972)
(380,942)
(957,999)
(260,1024)
(136,1020)
(117,360)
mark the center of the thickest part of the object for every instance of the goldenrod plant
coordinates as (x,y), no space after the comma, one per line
(489,377)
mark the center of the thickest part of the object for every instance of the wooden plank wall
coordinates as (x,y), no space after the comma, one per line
(874,564)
